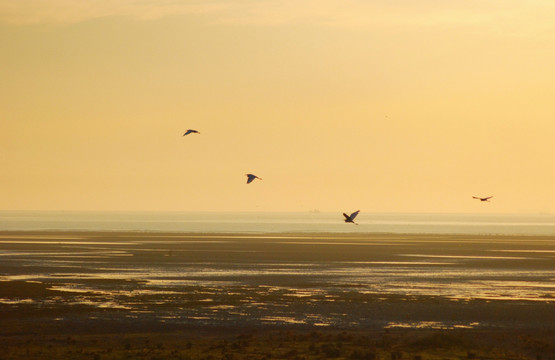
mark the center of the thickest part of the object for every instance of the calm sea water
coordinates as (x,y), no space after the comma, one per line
(235,222)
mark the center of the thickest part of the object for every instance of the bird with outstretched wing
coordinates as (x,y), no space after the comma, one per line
(351,218)
(482,198)
(190,131)
(251,177)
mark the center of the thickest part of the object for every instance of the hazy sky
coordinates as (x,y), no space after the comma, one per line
(378,105)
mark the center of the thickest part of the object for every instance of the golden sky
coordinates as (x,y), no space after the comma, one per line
(383,106)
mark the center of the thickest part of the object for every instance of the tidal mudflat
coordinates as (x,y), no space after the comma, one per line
(214,287)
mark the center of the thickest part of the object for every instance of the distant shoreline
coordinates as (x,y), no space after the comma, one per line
(270,222)
(262,234)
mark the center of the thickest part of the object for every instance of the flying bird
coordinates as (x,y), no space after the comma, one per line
(191,131)
(482,198)
(251,177)
(351,218)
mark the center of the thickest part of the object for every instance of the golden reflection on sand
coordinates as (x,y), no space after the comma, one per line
(321,280)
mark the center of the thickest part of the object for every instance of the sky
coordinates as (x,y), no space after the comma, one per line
(338,105)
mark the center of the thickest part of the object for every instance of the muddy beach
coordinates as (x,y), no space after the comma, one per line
(111,295)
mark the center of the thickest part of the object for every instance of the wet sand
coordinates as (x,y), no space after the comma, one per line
(307,296)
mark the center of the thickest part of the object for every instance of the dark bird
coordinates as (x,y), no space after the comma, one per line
(251,177)
(191,131)
(351,218)
(482,198)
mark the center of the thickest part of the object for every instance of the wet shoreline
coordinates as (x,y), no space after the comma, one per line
(112,295)
(321,280)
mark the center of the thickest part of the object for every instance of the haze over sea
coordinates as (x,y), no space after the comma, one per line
(276,222)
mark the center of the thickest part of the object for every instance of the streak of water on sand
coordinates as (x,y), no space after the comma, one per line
(340,243)
(528,251)
(470,257)
(283,319)
(203,236)
(408,263)
(431,325)
(46,237)
(41,255)
(58,242)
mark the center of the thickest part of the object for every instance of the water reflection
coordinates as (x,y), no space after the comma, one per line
(465,257)
(264,278)
(430,325)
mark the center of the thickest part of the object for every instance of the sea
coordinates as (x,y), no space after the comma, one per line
(278,222)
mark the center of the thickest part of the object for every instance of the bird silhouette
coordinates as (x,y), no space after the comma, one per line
(482,198)
(191,131)
(351,218)
(251,177)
